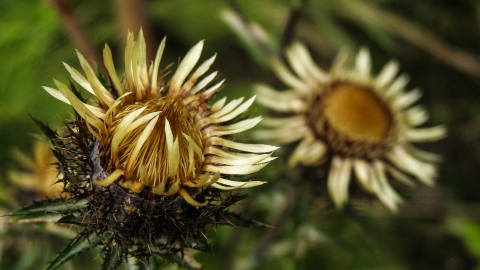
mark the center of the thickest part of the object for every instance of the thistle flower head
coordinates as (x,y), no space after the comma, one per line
(163,135)
(148,158)
(358,121)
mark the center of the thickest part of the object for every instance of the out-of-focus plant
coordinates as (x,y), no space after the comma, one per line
(37,173)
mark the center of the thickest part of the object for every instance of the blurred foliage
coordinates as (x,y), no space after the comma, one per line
(437,228)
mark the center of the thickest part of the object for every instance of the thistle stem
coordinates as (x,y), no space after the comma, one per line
(278,225)
(290,26)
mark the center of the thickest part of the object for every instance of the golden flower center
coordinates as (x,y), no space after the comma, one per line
(160,146)
(357,112)
(353,120)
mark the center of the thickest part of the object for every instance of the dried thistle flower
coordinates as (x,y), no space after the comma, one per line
(358,121)
(147,164)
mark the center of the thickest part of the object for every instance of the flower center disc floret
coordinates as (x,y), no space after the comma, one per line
(161,149)
(353,119)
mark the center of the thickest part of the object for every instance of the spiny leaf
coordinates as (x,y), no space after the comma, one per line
(40,217)
(60,205)
(233,219)
(233,198)
(113,258)
(50,133)
(79,245)
(53,137)
(75,220)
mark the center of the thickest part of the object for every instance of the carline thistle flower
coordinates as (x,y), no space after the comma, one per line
(151,157)
(358,121)
(164,137)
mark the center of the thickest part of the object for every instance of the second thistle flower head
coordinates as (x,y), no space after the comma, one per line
(360,122)
(163,136)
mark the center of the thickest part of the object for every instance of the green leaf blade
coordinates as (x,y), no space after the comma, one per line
(113,258)
(55,206)
(78,245)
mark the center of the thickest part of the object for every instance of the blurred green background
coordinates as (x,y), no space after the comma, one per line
(437,42)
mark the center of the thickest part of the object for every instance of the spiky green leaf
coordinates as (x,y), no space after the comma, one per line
(57,144)
(55,206)
(113,257)
(50,133)
(80,244)
(35,218)
(75,220)
(233,219)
